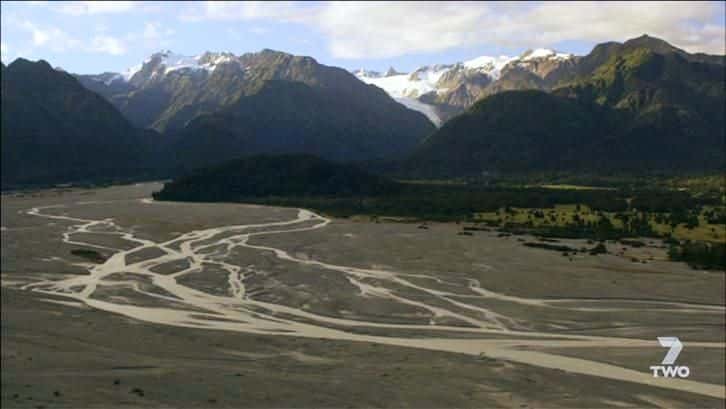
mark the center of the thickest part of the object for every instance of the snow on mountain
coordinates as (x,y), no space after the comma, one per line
(361,73)
(173,62)
(426,109)
(489,65)
(405,88)
(408,88)
(207,61)
(167,61)
(413,85)
(390,72)
(544,53)
(126,75)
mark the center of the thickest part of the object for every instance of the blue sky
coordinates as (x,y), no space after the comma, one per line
(91,37)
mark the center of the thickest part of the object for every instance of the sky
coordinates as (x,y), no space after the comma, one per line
(91,37)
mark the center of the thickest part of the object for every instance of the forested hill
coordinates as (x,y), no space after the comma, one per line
(55,130)
(270,176)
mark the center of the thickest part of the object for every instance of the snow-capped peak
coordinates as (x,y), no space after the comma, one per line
(363,73)
(126,75)
(172,61)
(390,72)
(544,53)
(166,61)
(489,65)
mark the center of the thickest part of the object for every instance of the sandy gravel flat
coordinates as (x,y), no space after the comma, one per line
(319,293)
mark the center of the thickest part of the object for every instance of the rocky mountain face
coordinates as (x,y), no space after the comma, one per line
(640,106)
(55,130)
(442,91)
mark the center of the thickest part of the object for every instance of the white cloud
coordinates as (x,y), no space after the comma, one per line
(58,41)
(368,30)
(51,38)
(688,25)
(248,10)
(79,8)
(365,30)
(381,30)
(107,45)
(154,36)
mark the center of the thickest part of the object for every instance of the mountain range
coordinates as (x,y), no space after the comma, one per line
(445,90)
(442,91)
(169,90)
(641,105)
(193,111)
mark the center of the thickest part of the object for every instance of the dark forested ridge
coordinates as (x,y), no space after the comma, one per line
(269,175)
(55,130)
(512,131)
(344,190)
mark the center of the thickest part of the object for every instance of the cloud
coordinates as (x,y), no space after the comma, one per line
(80,8)
(4,51)
(381,30)
(154,36)
(154,31)
(688,25)
(247,10)
(368,30)
(59,41)
(52,38)
(107,45)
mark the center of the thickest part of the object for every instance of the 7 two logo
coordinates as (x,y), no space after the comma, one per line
(667,369)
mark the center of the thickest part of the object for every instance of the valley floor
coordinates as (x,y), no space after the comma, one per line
(200,305)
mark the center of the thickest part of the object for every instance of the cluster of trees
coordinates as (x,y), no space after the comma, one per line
(343,190)
(600,229)
(715,216)
(698,254)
